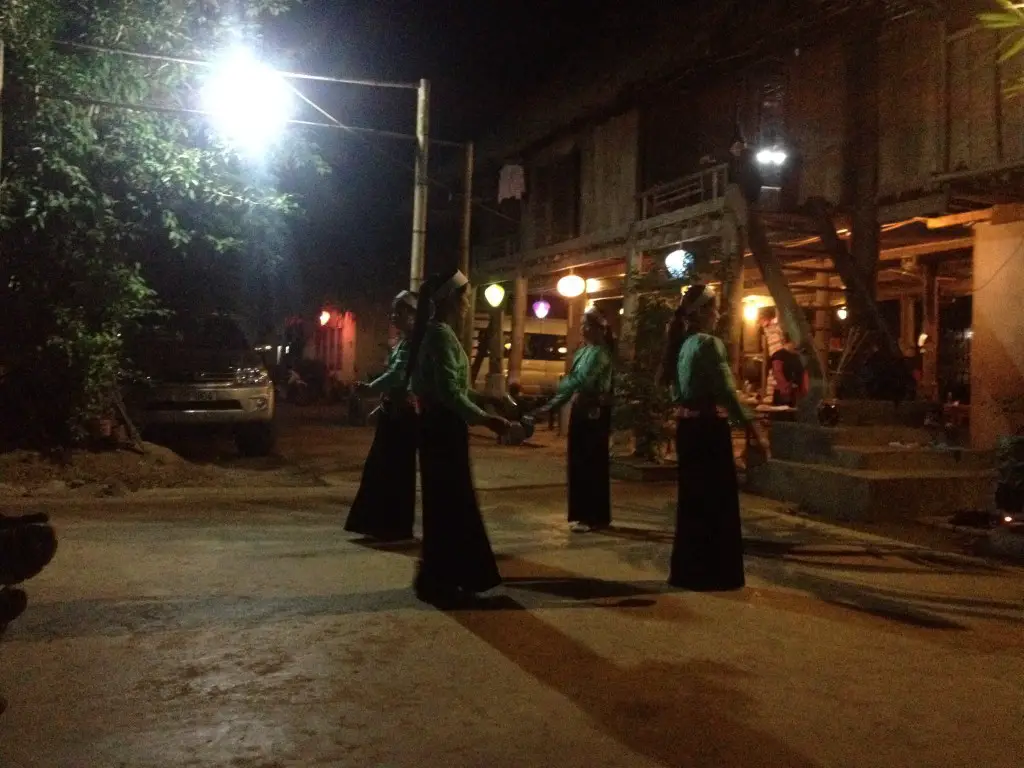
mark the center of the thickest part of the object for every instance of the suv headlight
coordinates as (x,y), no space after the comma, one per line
(252,377)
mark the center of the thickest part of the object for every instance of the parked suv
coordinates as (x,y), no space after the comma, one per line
(202,372)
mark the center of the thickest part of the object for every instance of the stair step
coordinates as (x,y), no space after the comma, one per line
(892,458)
(872,494)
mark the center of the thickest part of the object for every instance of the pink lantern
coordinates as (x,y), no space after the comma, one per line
(541,309)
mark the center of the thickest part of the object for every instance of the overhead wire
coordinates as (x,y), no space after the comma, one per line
(388,156)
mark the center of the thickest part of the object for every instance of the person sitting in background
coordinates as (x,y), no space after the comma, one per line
(788,371)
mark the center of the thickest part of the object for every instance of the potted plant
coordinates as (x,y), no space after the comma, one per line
(642,402)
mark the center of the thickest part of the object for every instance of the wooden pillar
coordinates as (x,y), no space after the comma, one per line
(573,338)
(862,146)
(468,332)
(515,355)
(908,324)
(734,309)
(822,316)
(630,303)
(496,354)
(733,248)
(930,326)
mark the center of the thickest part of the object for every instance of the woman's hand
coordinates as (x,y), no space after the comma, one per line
(497,424)
(756,436)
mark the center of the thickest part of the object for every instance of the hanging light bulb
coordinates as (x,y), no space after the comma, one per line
(571,286)
(541,309)
(842,313)
(494,294)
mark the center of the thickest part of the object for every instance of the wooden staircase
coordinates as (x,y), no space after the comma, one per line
(880,462)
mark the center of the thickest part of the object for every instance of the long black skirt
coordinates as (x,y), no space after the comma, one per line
(708,551)
(589,481)
(456,553)
(385,505)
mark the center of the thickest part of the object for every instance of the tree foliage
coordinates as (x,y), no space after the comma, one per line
(93,195)
(1009,21)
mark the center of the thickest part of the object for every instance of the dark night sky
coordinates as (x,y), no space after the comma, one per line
(480,57)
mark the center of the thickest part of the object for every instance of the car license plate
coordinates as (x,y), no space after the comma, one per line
(204,396)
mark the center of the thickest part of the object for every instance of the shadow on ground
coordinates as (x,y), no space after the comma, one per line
(688,714)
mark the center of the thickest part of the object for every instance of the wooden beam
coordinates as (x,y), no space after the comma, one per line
(792,316)
(910,209)
(959,219)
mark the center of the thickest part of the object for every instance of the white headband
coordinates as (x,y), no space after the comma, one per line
(405,297)
(454,283)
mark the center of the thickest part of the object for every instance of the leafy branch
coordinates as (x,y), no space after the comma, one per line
(1010,22)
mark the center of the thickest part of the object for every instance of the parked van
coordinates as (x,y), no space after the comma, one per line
(544,353)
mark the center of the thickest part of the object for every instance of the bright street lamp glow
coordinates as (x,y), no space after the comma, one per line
(541,309)
(248,102)
(494,294)
(772,157)
(571,286)
(593,285)
(679,263)
(751,312)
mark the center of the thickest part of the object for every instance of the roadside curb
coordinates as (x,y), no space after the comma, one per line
(334,491)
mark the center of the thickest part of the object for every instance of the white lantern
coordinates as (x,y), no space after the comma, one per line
(679,263)
(571,286)
(494,294)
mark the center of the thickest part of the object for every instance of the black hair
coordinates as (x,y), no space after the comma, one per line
(594,316)
(680,329)
(424,313)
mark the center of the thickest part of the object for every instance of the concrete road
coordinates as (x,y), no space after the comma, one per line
(246,629)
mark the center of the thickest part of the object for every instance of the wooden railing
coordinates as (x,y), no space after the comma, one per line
(501,248)
(701,187)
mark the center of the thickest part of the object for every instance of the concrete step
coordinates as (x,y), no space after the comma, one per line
(795,441)
(898,459)
(872,494)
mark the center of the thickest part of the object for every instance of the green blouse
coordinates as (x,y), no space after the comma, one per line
(590,374)
(703,376)
(392,382)
(442,373)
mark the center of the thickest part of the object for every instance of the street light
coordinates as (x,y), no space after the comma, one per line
(571,286)
(242,75)
(776,157)
(494,294)
(248,101)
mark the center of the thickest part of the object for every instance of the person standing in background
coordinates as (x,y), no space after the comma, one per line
(385,504)
(707,553)
(590,382)
(456,560)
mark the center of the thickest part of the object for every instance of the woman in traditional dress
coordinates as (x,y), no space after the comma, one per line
(590,381)
(385,505)
(708,550)
(456,560)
